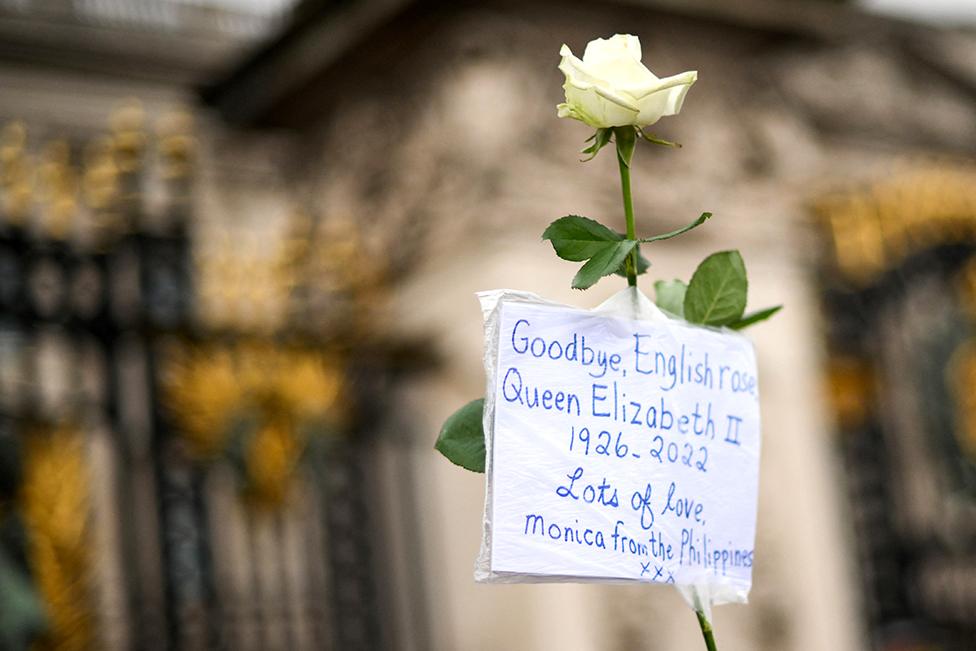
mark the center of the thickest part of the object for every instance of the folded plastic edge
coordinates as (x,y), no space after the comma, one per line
(490,302)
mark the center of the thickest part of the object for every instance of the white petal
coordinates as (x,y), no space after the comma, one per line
(573,68)
(666,101)
(618,46)
(683,79)
(581,76)
(597,110)
(623,73)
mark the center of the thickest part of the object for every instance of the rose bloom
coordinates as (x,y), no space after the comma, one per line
(610,87)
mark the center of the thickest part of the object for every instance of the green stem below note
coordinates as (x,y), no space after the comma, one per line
(706,629)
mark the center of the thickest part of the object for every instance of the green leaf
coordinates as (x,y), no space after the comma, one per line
(643,264)
(704,217)
(755,317)
(462,438)
(651,138)
(670,296)
(717,292)
(604,263)
(579,238)
(600,140)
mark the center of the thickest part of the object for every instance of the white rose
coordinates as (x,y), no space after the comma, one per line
(610,87)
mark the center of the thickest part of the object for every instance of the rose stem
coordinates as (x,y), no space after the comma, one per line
(626,140)
(706,628)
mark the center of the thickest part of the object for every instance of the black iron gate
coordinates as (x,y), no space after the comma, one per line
(167,484)
(899,290)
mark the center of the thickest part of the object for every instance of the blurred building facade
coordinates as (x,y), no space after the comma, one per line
(251,466)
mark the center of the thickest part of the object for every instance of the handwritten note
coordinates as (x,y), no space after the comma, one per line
(622,449)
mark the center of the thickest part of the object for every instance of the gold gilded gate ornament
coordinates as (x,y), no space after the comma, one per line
(56,502)
(875,229)
(254,399)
